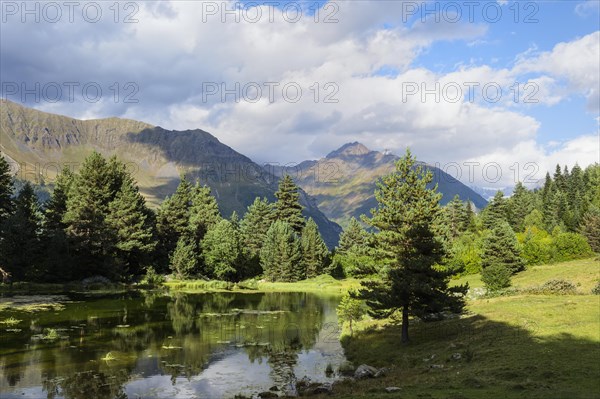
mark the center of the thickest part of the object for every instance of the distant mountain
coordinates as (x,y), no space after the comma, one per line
(343,182)
(42,143)
(489,192)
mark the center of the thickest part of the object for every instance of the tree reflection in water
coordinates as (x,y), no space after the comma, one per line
(177,337)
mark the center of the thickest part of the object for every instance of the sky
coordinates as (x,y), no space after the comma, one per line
(491,91)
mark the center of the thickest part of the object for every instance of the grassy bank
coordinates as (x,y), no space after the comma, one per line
(324,284)
(521,346)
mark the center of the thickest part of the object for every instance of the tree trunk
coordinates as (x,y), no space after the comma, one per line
(405,324)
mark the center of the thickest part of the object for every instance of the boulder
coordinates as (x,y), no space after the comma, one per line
(393,389)
(365,371)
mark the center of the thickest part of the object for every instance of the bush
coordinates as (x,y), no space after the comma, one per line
(153,278)
(569,246)
(596,289)
(558,287)
(496,277)
(536,246)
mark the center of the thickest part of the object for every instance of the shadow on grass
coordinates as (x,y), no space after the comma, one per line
(474,357)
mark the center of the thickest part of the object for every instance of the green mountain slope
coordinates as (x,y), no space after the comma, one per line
(42,143)
(343,182)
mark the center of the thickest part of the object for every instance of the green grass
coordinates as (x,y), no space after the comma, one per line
(584,273)
(324,284)
(520,346)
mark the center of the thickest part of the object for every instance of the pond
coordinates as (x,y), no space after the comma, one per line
(152,345)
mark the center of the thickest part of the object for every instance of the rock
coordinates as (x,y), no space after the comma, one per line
(314,388)
(274,388)
(393,389)
(436,366)
(381,373)
(346,368)
(365,371)
(456,356)
(267,394)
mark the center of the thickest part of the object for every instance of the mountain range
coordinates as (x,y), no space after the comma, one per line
(42,143)
(333,189)
(343,182)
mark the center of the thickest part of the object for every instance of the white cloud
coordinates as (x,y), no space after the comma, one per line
(176,49)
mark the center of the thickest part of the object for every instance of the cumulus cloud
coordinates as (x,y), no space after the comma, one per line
(180,52)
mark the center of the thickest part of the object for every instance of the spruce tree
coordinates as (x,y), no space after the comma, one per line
(405,216)
(280,255)
(56,207)
(501,248)
(204,212)
(519,205)
(453,218)
(6,190)
(87,206)
(590,228)
(287,207)
(354,236)
(58,257)
(172,220)
(253,231)
(222,252)
(314,250)
(495,212)
(129,220)
(21,247)
(184,261)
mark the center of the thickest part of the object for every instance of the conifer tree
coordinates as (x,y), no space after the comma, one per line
(21,246)
(454,218)
(405,216)
(354,236)
(495,212)
(87,207)
(204,212)
(255,224)
(253,233)
(172,220)
(58,258)
(287,207)
(6,190)
(500,247)
(184,261)
(56,207)
(280,255)
(129,220)
(222,252)
(590,228)
(519,205)
(314,250)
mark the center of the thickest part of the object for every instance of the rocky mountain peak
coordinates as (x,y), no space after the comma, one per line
(349,149)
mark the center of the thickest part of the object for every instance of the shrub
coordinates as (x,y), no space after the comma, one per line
(558,287)
(496,277)
(596,289)
(569,246)
(153,278)
(536,246)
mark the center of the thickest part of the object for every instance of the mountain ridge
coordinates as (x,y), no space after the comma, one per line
(343,182)
(41,143)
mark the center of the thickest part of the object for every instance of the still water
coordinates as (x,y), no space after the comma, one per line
(150,345)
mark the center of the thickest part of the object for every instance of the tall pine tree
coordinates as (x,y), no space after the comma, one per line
(280,256)
(314,250)
(287,207)
(405,218)
(222,251)
(91,240)
(21,247)
(130,221)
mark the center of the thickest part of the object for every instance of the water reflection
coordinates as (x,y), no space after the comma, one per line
(183,346)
